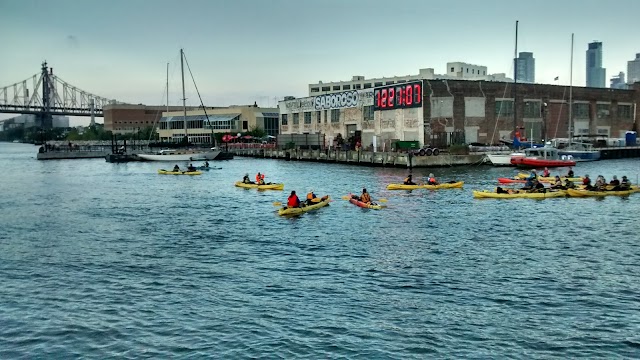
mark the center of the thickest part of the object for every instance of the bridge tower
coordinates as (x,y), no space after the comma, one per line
(45,119)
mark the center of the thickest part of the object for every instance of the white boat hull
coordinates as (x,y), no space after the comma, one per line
(502,159)
(209,155)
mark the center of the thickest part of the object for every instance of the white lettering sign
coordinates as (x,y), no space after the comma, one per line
(341,100)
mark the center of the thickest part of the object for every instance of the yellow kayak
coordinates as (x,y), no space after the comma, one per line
(589,193)
(168,172)
(260,187)
(549,178)
(305,208)
(486,194)
(458,184)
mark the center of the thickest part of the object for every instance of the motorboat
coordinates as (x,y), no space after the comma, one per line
(503,159)
(541,157)
(181,155)
(579,151)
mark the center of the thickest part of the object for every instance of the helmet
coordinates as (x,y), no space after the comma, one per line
(430,174)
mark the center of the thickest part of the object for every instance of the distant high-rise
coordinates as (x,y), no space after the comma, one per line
(596,74)
(633,70)
(526,67)
(617,81)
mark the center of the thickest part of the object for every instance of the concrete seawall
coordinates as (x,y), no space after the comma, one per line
(365,158)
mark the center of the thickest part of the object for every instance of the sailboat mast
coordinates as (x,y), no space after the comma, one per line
(184,98)
(167,87)
(515,81)
(571,91)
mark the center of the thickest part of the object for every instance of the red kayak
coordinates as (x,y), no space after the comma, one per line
(365,205)
(510,181)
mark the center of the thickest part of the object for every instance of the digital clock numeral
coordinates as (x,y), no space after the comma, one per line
(417,94)
(383,98)
(399,96)
(408,101)
(391,98)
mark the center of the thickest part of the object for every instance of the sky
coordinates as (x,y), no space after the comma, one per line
(241,51)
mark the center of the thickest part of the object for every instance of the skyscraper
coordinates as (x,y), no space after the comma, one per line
(633,70)
(596,74)
(617,81)
(526,67)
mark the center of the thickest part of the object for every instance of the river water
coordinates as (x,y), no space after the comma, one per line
(102,260)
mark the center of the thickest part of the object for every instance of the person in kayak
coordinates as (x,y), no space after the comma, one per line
(206,164)
(409,180)
(587,182)
(557,183)
(311,197)
(614,181)
(260,179)
(570,173)
(191,168)
(293,200)
(546,172)
(625,184)
(537,187)
(364,197)
(568,184)
(601,183)
(431,180)
(246,180)
(176,168)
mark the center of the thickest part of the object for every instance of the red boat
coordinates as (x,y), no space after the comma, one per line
(541,157)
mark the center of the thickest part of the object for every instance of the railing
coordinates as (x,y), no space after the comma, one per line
(248,146)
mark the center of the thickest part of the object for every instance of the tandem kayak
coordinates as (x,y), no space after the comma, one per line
(279,186)
(304,208)
(171,172)
(365,205)
(207,168)
(524,176)
(457,184)
(590,193)
(486,194)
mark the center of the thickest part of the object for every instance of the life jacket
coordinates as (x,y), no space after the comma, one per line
(431,180)
(311,196)
(292,201)
(259,177)
(365,198)
(546,174)
(407,180)
(586,181)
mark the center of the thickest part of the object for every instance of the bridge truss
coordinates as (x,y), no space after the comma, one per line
(45,95)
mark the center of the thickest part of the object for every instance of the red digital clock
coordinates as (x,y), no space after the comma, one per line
(398,96)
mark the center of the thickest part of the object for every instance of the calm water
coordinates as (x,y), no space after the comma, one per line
(102,260)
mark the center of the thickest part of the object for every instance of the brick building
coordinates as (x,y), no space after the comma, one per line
(125,119)
(466,111)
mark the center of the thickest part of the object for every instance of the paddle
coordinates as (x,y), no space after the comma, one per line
(347,197)
(277,203)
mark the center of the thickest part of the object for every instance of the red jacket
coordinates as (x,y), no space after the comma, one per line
(293,201)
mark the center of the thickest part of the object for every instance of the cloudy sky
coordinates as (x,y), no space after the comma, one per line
(241,51)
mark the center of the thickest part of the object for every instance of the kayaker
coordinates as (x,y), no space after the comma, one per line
(625,184)
(601,183)
(176,168)
(311,197)
(293,200)
(365,197)
(533,175)
(191,168)
(614,181)
(557,183)
(206,164)
(570,173)
(431,180)
(537,186)
(569,184)
(246,180)
(546,172)
(259,179)
(586,181)
(409,180)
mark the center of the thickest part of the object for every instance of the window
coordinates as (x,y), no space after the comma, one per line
(285,119)
(315,89)
(467,70)
(379,83)
(402,81)
(484,72)
(368,113)
(532,109)
(624,111)
(603,131)
(504,108)
(318,117)
(326,116)
(473,71)
(245,125)
(357,86)
(271,126)
(581,111)
(335,115)
(602,111)
(346,87)
(336,87)
(307,117)
(390,83)
(367,85)
(326,88)
(583,131)
(453,69)
(296,118)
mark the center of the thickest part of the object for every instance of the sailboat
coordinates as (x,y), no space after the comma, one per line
(577,151)
(504,159)
(182,154)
